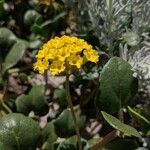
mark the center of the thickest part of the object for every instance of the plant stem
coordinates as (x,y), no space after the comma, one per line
(121,116)
(73,112)
(46,81)
(108,138)
(6,108)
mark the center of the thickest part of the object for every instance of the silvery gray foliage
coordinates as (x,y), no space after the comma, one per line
(108,18)
(124,21)
(141,15)
(111,18)
(139,40)
(138,55)
(140,61)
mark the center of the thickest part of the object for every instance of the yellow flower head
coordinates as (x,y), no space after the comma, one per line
(64,54)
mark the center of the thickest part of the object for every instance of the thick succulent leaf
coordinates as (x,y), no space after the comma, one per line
(14,55)
(121,145)
(48,27)
(25,42)
(7,38)
(117,86)
(19,132)
(35,101)
(23,104)
(39,104)
(35,44)
(138,117)
(60,94)
(49,136)
(142,117)
(60,97)
(65,120)
(31,16)
(117,124)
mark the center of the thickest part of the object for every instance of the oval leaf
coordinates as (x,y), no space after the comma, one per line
(23,104)
(117,124)
(65,120)
(14,55)
(49,137)
(138,117)
(117,86)
(31,16)
(7,38)
(19,132)
(39,104)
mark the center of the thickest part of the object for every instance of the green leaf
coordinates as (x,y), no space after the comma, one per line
(117,86)
(49,136)
(121,145)
(93,141)
(7,38)
(60,94)
(73,140)
(117,124)
(142,117)
(138,117)
(39,104)
(2,11)
(66,146)
(14,55)
(48,27)
(25,42)
(19,132)
(23,104)
(5,147)
(54,20)
(35,101)
(60,97)
(35,44)
(31,16)
(65,120)
(71,144)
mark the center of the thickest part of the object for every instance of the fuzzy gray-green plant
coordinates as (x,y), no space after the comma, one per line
(122,26)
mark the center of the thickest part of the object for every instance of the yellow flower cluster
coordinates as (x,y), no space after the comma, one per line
(64,55)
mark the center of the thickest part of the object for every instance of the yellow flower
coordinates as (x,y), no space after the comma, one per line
(91,55)
(57,67)
(41,66)
(64,55)
(75,60)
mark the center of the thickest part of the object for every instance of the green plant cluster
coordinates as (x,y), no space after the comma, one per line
(108,92)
